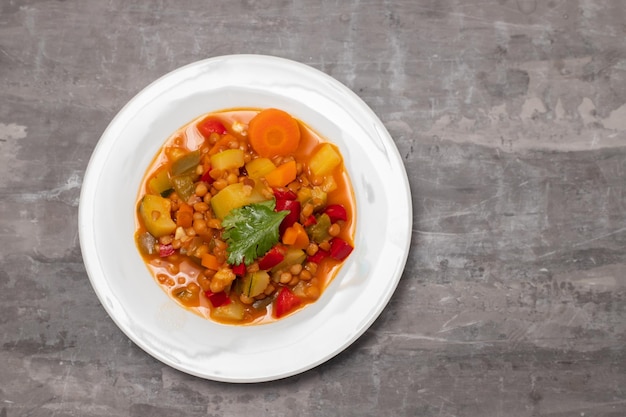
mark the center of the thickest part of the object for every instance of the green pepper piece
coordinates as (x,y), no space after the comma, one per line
(186,164)
(319,231)
(184,186)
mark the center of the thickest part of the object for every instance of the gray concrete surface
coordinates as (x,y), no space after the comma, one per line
(511,119)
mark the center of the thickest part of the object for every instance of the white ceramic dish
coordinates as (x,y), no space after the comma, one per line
(303,340)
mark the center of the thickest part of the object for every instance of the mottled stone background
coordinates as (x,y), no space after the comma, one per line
(511,119)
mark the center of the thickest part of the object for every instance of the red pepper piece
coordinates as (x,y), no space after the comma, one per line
(310,221)
(218,299)
(272,258)
(319,256)
(211,125)
(284,194)
(206,177)
(293,206)
(239,270)
(286,301)
(336,212)
(166,250)
(339,249)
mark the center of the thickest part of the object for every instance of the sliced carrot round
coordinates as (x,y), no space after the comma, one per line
(273,132)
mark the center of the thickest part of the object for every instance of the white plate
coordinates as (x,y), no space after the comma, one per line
(303,340)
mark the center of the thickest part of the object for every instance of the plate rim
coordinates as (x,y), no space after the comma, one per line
(91,177)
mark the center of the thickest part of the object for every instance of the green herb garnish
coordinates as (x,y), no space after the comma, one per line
(251,231)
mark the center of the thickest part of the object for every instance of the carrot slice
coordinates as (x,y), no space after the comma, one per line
(210,261)
(273,132)
(282,175)
(184,216)
(296,236)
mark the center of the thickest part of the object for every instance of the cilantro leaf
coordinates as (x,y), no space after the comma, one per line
(251,231)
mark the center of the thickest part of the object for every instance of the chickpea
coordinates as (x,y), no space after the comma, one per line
(232,178)
(220,184)
(214,137)
(201,189)
(166,240)
(172,269)
(201,207)
(325,245)
(216,173)
(207,198)
(204,282)
(295,269)
(200,226)
(312,249)
(198,216)
(305,275)
(285,277)
(334,229)
(269,289)
(294,281)
(214,224)
(176,243)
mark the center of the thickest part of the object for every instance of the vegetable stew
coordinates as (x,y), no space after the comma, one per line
(245,216)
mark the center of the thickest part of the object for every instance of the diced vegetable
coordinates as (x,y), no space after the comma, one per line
(293,207)
(258,168)
(160,183)
(186,164)
(146,243)
(336,212)
(228,159)
(296,236)
(184,215)
(210,261)
(292,256)
(282,175)
(339,249)
(183,186)
(210,125)
(254,283)
(286,301)
(273,257)
(233,311)
(274,132)
(282,193)
(235,196)
(239,270)
(310,221)
(206,177)
(315,195)
(218,299)
(155,213)
(319,231)
(319,256)
(324,160)
(166,250)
